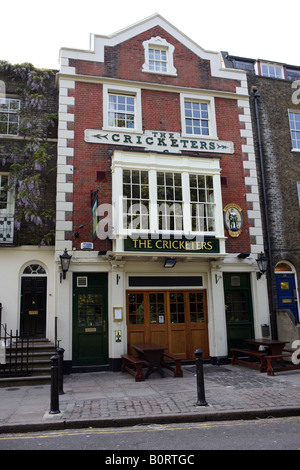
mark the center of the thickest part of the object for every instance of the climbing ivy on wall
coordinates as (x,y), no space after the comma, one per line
(31,157)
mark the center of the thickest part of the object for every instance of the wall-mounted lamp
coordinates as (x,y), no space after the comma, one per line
(65,259)
(170,262)
(217,278)
(262,262)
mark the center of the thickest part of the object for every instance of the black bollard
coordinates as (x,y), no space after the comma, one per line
(54,405)
(60,353)
(200,379)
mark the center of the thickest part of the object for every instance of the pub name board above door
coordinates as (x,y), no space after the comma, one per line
(158,141)
(172,244)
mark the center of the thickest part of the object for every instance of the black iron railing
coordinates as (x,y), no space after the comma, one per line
(15,357)
(6,230)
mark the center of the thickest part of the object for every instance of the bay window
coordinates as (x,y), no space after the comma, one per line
(150,197)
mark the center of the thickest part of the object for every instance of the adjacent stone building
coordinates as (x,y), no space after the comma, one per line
(28,154)
(274,90)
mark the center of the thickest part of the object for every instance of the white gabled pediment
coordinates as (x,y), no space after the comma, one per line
(98,43)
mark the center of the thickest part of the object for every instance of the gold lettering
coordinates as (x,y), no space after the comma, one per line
(175,244)
(158,244)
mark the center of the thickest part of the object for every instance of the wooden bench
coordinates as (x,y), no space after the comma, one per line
(177,369)
(129,360)
(261,365)
(283,365)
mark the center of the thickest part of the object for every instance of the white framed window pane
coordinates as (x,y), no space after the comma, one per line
(202,203)
(196,118)
(157,60)
(121,111)
(272,71)
(135,199)
(294,119)
(9,116)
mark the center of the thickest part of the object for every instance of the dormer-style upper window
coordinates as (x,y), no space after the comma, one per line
(271,70)
(159,57)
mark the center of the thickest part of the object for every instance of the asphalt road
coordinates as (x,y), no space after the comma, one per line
(171,442)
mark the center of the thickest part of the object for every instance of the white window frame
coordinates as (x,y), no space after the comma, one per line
(290,111)
(159,163)
(9,210)
(128,91)
(212,125)
(159,43)
(7,216)
(269,67)
(10,113)
(298,191)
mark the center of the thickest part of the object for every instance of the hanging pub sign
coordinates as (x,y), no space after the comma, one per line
(159,244)
(233,219)
(158,141)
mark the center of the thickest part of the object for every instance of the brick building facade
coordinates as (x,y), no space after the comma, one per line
(156,164)
(28,154)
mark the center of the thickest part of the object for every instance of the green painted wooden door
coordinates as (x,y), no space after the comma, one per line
(90,319)
(238,308)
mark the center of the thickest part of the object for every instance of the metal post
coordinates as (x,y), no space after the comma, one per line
(200,379)
(54,407)
(60,352)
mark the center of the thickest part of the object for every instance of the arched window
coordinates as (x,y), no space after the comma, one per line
(283,267)
(34,269)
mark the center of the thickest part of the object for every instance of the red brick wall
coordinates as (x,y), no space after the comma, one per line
(160,111)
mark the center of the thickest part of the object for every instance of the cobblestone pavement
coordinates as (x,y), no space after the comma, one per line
(114,398)
(226,388)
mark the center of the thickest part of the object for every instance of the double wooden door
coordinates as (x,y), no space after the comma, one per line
(174,319)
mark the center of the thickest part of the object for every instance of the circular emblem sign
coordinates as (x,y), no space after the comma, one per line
(233,219)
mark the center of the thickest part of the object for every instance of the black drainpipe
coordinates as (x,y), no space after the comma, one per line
(270,273)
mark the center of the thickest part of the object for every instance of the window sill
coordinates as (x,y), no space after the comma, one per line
(122,129)
(168,74)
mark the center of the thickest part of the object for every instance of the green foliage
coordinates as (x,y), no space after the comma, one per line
(32,158)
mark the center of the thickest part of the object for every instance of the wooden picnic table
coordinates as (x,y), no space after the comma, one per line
(268,353)
(273,346)
(152,355)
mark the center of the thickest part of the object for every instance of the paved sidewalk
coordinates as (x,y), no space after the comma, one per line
(106,399)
